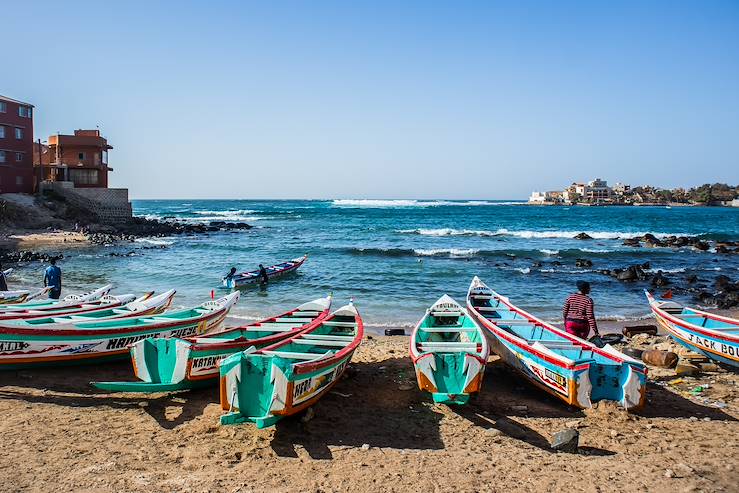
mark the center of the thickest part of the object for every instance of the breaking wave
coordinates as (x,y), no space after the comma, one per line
(528,234)
(378,203)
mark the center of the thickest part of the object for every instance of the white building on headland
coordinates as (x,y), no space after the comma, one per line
(734,203)
(553,197)
(594,191)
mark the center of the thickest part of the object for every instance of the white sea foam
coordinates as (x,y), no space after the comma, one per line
(596,250)
(523,270)
(239,212)
(529,234)
(379,203)
(155,241)
(453,252)
(676,270)
(547,251)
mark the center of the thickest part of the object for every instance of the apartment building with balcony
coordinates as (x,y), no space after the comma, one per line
(16,146)
(81,158)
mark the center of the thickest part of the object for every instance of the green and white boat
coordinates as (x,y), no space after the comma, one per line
(49,304)
(144,305)
(165,365)
(449,352)
(263,386)
(88,341)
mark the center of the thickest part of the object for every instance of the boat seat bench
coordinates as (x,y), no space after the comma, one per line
(322,337)
(451,328)
(331,323)
(292,355)
(318,342)
(446,314)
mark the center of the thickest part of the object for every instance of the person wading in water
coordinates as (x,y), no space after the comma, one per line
(578,312)
(263,278)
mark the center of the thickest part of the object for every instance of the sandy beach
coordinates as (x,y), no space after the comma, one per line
(374,432)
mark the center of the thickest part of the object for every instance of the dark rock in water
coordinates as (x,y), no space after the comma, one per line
(652,241)
(566,440)
(583,236)
(727,300)
(28,256)
(632,242)
(536,264)
(701,245)
(646,266)
(660,280)
(394,332)
(631,273)
(706,298)
(722,249)
(556,262)
(583,262)
(722,282)
(692,279)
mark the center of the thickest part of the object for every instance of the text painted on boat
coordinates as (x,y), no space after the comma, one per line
(307,388)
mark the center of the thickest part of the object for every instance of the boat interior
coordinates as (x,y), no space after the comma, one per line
(448,332)
(285,323)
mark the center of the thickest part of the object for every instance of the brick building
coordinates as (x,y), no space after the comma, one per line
(81,158)
(16,146)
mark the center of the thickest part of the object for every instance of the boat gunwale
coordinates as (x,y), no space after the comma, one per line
(5,330)
(659,312)
(311,366)
(524,345)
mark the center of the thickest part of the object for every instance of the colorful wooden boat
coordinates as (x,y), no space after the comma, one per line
(165,365)
(69,300)
(21,296)
(252,277)
(145,305)
(449,352)
(714,336)
(102,340)
(76,308)
(263,386)
(566,366)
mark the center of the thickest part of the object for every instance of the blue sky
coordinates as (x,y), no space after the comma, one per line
(480,100)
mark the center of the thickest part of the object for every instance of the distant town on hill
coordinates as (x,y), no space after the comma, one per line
(597,192)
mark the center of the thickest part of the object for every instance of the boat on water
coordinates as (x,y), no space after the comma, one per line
(449,352)
(252,277)
(81,342)
(705,333)
(76,308)
(567,367)
(263,386)
(165,365)
(69,300)
(145,305)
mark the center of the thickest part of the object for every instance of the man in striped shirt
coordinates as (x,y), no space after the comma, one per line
(578,312)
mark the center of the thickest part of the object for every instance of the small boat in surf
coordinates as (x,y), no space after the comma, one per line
(250,278)
(449,352)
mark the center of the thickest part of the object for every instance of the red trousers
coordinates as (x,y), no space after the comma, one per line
(577,328)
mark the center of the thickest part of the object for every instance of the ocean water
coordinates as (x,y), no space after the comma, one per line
(397,257)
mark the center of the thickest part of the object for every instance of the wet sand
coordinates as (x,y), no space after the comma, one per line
(374,432)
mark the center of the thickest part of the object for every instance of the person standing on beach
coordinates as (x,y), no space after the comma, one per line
(578,312)
(3,282)
(53,278)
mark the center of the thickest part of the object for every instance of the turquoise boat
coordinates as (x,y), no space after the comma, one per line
(165,365)
(449,353)
(266,385)
(95,341)
(565,366)
(712,335)
(71,300)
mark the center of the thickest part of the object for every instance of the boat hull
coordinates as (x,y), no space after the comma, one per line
(243,281)
(719,349)
(29,348)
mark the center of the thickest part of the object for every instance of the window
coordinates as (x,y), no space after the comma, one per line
(2,132)
(81,156)
(18,133)
(83,176)
(3,107)
(18,157)
(105,157)
(19,180)
(2,156)
(24,111)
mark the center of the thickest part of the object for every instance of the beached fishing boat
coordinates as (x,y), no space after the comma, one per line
(164,365)
(263,386)
(252,277)
(145,305)
(75,308)
(712,335)
(87,342)
(563,365)
(449,352)
(21,296)
(50,304)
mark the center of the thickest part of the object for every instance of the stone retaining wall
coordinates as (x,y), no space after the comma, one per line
(107,205)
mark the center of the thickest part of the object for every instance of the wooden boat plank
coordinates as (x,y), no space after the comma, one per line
(318,342)
(294,355)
